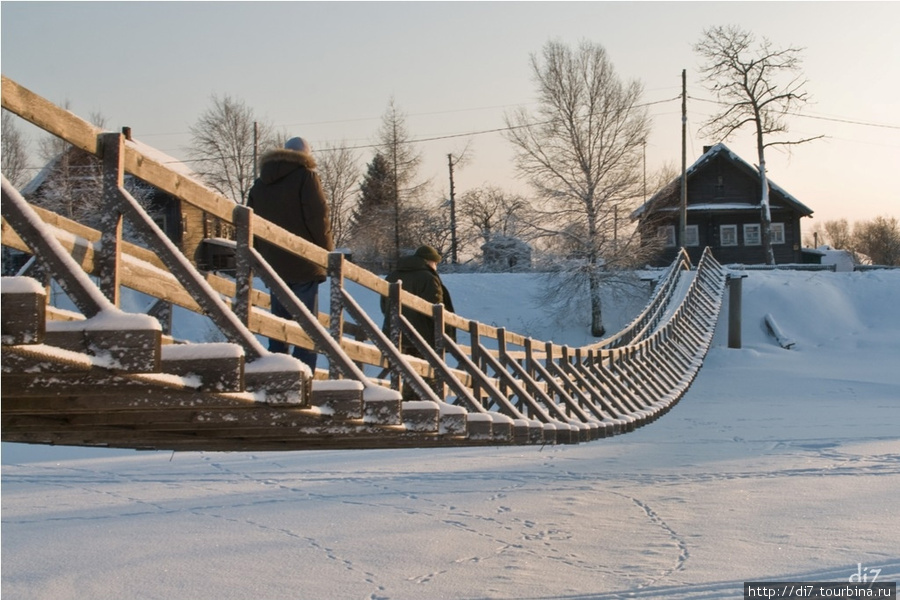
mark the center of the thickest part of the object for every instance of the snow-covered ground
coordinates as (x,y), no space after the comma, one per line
(777,465)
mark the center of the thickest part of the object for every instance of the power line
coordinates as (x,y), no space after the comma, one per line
(820,118)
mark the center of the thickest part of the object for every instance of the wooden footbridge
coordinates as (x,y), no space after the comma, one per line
(100,376)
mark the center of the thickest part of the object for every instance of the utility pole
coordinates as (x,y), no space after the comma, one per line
(394,150)
(453,256)
(683,221)
(255,148)
(645,170)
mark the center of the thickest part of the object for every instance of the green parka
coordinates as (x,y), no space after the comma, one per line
(420,279)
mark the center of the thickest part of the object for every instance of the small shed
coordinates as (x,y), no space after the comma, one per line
(504,253)
(723,213)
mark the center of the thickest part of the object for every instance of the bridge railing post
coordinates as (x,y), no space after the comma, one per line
(336,304)
(243,262)
(393,320)
(439,347)
(110,255)
(734,310)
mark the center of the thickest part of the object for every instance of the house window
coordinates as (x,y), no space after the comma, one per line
(752,235)
(161,222)
(667,234)
(691,236)
(777,233)
(728,235)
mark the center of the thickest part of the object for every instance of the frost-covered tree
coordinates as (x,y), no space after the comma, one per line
(879,239)
(71,182)
(489,211)
(759,86)
(582,154)
(339,171)
(372,220)
(14,153)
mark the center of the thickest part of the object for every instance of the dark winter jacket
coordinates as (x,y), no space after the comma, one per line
(420,279)
(288,193)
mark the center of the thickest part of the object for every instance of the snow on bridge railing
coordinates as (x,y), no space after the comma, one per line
(601,388)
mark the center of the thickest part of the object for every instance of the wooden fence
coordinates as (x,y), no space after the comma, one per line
(100,376)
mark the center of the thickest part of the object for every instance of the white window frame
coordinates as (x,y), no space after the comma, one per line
(777,233)
(691,236)
(752,238)
(667,233)
(724,232)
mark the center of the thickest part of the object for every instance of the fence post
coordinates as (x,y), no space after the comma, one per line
(439,347)
(734,310)
(110,255)
(393,319)
(243,263)
(336,308)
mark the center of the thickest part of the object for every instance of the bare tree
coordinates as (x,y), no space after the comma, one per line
(340,173)
(489,211)
(582,154)
(879,239)
(222,143)
(760,86)
(14,152)
(836,234)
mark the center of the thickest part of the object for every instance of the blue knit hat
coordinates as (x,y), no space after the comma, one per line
(297,144)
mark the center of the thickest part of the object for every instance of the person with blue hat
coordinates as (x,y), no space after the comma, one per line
(289,193)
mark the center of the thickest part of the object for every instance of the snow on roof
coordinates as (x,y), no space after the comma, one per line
(707,156)
(38,180)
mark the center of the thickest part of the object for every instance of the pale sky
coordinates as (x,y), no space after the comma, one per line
(327,70)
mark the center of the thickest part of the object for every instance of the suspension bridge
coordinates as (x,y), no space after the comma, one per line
(101,376)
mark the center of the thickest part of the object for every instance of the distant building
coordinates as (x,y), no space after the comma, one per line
(723,212)
(504,253)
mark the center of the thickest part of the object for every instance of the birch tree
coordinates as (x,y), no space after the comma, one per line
(760,86)
(582,154)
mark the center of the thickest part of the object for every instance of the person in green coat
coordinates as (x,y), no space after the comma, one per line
(418,273)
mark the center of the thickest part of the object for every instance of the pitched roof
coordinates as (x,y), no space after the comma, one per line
(707,157)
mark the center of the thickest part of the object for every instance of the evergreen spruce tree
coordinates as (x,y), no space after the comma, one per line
(372,221)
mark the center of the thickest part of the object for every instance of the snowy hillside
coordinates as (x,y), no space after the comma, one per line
(777,465)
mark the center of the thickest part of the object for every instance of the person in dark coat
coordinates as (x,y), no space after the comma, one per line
(289,193)
(419,276)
